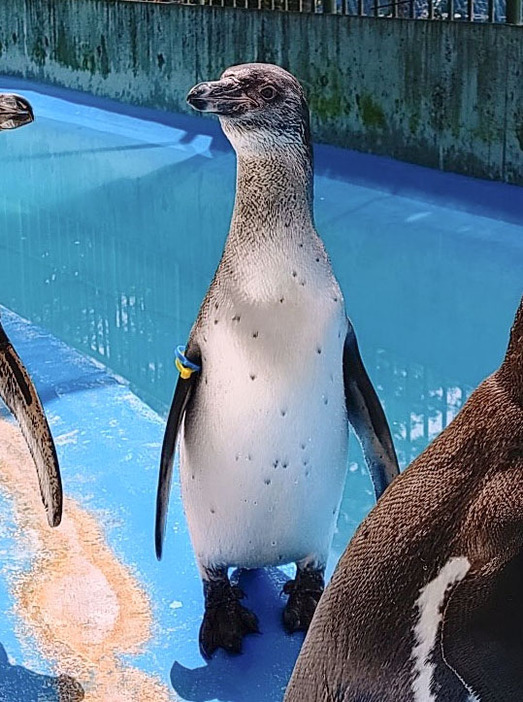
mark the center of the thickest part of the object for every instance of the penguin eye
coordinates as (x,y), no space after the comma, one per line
(268,93)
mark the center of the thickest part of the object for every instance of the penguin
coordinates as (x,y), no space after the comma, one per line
(270,375)
(15,111)
(425,604)
(16,387)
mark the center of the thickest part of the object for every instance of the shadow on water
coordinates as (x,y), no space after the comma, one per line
(262,672)
(90,151)
(17,684)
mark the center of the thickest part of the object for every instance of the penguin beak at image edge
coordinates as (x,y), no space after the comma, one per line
(15,111)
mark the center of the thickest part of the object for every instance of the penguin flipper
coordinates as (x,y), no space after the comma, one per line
(18,392)
(182,395)
(367,417)
(482,634)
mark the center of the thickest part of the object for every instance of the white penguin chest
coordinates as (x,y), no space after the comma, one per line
(264,451)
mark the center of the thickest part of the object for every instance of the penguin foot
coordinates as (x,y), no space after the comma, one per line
(304,594)
(225,621)
(69,689)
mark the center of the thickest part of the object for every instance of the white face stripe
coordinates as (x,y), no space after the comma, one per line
(430,607)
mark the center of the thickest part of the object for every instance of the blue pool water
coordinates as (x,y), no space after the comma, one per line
(111,226)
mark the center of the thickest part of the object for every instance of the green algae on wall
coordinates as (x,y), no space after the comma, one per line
(372,115)
(38,52)
(81,56)
(519,131)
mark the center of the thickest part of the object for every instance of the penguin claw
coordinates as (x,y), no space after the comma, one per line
(304,594)
(224,626)
(69,689)
(299,611)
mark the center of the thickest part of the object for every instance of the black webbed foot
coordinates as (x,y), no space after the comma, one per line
(225,621)
(304,594)
(69,689)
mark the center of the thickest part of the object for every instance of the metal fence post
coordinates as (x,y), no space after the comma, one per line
(514,12)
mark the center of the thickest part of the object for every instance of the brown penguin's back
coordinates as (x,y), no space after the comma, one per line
(458,507)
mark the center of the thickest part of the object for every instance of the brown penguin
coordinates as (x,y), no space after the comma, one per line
(16,388)
(426,604)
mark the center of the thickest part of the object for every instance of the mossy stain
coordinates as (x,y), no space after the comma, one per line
(38,52)
(519,134)
(414,121)
(372,115)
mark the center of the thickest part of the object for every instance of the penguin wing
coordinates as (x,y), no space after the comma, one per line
(19,394)
(182,395)
(367,417)
(482,634)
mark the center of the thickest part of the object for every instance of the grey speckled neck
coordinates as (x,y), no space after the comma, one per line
(274,193)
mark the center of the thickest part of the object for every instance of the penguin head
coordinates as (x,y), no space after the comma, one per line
(261,107)
(15,111)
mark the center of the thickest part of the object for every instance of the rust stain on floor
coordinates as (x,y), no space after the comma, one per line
(82,605)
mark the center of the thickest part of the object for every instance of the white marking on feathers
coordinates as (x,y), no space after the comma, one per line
(429,604)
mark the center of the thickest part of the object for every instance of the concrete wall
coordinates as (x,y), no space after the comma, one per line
(447,95)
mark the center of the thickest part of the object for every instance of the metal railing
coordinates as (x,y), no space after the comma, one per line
(451,10)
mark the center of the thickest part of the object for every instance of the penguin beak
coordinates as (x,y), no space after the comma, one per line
(15,111)
(20,396)
(223,97)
